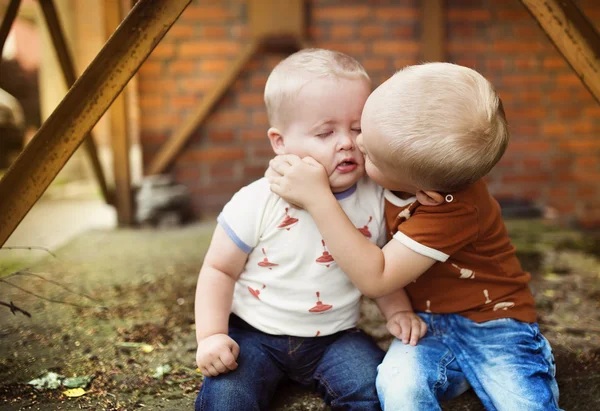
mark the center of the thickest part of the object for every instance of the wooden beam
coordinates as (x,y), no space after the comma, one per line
(68,70)
(175,143)
(7,22)
(120,138)
(573,35)
(82,107)
(434,37)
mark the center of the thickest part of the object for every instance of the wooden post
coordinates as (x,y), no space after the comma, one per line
(68,70)
(120,138)
(573,35)
(82,107)
(434,37)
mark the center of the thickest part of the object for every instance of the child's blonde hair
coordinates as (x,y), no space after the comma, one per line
(292,73)
(445,123)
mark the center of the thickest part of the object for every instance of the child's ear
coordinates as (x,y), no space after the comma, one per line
(276,140)
(430,198)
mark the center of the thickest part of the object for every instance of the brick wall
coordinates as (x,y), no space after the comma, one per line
(554,156)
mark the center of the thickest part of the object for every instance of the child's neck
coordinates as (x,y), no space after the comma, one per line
(403,194)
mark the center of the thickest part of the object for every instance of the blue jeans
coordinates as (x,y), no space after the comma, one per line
(342,367)
(508,363)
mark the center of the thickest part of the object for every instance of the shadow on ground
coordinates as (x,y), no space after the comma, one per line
(141,285)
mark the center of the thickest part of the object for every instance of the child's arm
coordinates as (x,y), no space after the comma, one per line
(374,271)
(402,322)
(217,352)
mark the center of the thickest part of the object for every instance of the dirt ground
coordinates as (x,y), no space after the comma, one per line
(137,286)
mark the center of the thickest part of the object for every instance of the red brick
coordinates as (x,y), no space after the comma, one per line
(254,172)
(183,101)
(537,146)
(580,145)
(468,15)
(213,32)
(221,171)
(342,31)
(586,162)
(568,80)
(151,101)
(395,47)
(516,46)
(338,13)
(371,31)
(207,14)
(403,32)
(554,63)
(196,85)
(260,118)
(255,99)
(352,48)
(221,135)
(555,129)
(212,154)
(181,31)
(397,13)
(373,64)
(254,134)
(151,68)
(583,127)
(515,14)
(214,65)
(199,48)
(525,178)
(228,118)
(181,66)
(163,50)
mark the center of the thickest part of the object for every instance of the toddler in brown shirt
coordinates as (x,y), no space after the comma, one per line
(430,134)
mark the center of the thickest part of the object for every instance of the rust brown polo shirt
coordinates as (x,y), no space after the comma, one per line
(477,273)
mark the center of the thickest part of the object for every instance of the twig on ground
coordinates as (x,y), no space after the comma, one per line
(14,309)
(46,298)
(64,287)
(19,247)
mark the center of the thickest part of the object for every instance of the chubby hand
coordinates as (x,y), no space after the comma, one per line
(407,326)
(298,181)
(217,354)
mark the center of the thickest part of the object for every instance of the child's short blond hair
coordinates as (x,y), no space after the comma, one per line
(445,124)
(292,73)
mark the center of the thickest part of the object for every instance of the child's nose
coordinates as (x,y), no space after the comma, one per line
(346,141)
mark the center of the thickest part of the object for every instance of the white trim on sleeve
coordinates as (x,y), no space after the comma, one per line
(420,248)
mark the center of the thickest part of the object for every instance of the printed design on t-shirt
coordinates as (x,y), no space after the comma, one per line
(504,306)
(428,310)
(464,272)
(265,262)
(256,292)
(288,222)
(365,230)
(320,307)
(487,296)
(318,333)
(326,259)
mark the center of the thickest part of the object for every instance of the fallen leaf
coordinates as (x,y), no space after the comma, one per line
(74,392)
(78,382)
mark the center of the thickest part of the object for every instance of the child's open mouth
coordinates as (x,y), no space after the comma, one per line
(347,166)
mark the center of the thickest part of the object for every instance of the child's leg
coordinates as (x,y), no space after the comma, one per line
(252,384)
(508,363)
(346,373)
(418,377)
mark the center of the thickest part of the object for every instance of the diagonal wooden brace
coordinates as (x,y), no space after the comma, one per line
(82,107)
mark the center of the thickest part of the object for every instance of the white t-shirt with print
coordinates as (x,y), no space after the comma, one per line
(291,285)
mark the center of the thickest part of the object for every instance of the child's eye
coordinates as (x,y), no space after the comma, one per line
(357,130)
(325,134)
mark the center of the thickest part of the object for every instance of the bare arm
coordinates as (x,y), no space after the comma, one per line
(223,263)
(374,271)
(401,320)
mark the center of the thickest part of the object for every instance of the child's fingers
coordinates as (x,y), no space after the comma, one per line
(279,165)
(405,324)
(395,329)
(423,329)
(228,360)
(219,366)
(415,331)
(211,371)
(311,161)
